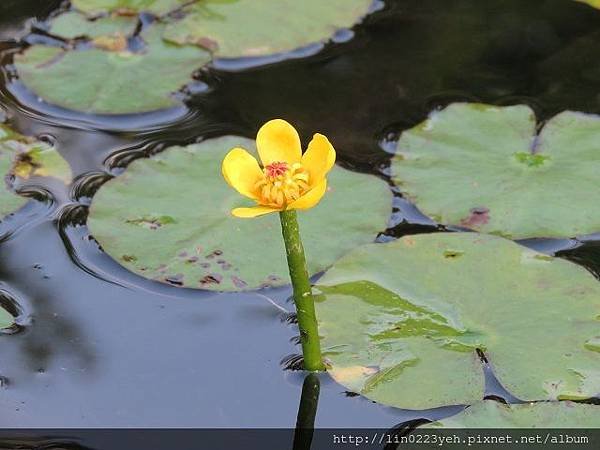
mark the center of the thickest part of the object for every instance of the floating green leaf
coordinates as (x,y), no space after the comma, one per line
(486,168)
(168,218)
(492,414)
(95,7)
(71,25)
(241,28)
(401,321)
(113,82)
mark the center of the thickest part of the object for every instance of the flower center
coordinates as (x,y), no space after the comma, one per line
(282,184)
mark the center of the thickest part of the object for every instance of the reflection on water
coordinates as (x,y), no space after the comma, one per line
(307,412)
(100,346)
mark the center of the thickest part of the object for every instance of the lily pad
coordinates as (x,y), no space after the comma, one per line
(72,24)
(492,414)
(113,82)
(23,157)
(125,7)
(401,321)
(243,28)
(169,218)
(486,168)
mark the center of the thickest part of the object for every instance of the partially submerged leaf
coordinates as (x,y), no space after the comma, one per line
(9,202)
(24,157)
(492,414)
(418,308)
(169,218)
(113,82)
(245,28)
(41,160)
(488,169)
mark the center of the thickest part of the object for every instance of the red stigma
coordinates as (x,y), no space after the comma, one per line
(276,169)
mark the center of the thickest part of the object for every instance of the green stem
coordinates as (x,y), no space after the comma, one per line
(305,306)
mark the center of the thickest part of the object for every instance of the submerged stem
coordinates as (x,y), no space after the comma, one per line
(307,412)
(305,306)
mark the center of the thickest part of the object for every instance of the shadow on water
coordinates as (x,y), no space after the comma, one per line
(99,346)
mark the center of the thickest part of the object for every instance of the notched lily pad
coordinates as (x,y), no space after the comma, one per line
(488,169)
(417,309)
(116,80)
(492,414)
(243,28)
(168,218)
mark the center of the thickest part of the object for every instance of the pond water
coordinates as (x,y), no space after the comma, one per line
(100,346)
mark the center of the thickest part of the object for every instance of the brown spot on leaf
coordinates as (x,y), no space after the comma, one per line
(213,278)
(408,241)
(151,223)
(238,282)
(125,12)
(114,43)
(209,44)
(51,61)
(214,254)
(129,258)
(192,259)
(452,254)
(176,280)
(478,216)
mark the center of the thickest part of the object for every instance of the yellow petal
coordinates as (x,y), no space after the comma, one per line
(319,158)
(311,198)
(255,211)
(241,171)
(278,141)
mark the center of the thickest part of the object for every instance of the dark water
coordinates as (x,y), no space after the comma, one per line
(99,346)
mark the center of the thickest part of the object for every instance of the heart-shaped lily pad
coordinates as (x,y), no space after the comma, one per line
(488,169)
(23,157)
(72,24)
(401,321)
(127,7)
(242,28)
(169,218)
(113,82)
(492,414)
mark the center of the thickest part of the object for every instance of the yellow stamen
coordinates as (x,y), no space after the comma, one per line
(282,184)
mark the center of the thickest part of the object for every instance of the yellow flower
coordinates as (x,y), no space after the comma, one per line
(288,179)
